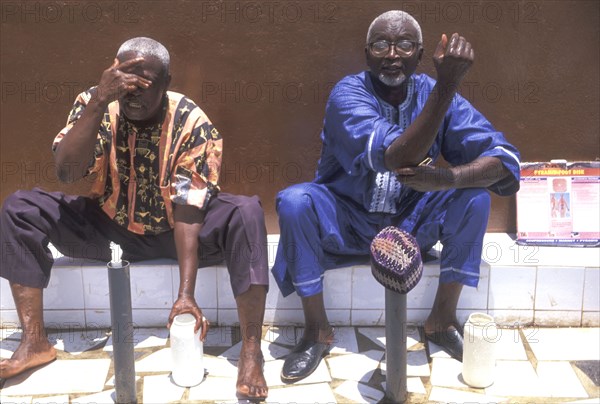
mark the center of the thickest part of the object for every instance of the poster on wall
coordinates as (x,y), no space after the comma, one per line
(559,203)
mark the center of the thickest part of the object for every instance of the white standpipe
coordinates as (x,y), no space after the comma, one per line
(119,286)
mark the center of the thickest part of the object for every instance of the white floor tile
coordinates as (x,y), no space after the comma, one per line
(515,378)
(159,361)
(444,395)
(213,389)
(447,372)
(218,367)
(62,399)
(104,397)
(560,380)
(359,392)
(313,393)
(61,377)
(77,341)
(161,389)
(144,338)
(415,385)
(273,374)
(344,341)
(282,335)
(565,343)
(357,367)
(509,345)
(14,400)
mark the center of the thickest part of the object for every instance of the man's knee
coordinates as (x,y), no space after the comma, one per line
(250,208)
(475,200)
(294,201)
(16,202)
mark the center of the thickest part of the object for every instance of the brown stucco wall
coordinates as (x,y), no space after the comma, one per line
(262,71)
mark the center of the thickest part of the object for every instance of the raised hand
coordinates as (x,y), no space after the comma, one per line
(118,80)
(452,59)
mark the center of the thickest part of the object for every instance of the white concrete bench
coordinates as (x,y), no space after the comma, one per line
(519,285)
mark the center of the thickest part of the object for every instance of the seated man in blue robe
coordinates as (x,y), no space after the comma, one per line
(384,134)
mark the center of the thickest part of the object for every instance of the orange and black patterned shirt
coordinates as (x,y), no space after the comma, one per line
(142,171)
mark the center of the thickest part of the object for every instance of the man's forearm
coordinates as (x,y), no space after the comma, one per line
(411,147)
(188,223)
(76,149)
(480,173)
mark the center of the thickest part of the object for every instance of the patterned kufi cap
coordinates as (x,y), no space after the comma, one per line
(396,260)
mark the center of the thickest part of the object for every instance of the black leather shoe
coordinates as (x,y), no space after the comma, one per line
(450,340)
(303,360)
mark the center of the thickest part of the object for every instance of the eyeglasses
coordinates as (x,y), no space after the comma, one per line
(403,47)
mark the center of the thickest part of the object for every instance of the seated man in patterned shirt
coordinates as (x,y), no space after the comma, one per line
(153,158)
(382,129)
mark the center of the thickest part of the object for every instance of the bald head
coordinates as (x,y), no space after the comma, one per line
(395,18)
(146,47)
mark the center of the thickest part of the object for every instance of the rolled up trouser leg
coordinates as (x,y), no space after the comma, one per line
(30,220)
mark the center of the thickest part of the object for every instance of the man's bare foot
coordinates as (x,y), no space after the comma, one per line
(251,383)
(27,356)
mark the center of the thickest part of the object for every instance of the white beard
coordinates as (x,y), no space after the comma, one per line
(392,81)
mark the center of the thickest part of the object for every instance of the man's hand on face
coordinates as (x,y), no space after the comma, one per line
(118,80)
(187,304)
(452,59)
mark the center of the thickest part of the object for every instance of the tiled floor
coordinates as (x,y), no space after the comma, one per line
(533,366)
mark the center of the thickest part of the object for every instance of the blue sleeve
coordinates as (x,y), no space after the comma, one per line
(467,135)
(355,130)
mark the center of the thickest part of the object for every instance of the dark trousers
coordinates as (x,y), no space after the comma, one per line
(233,230)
